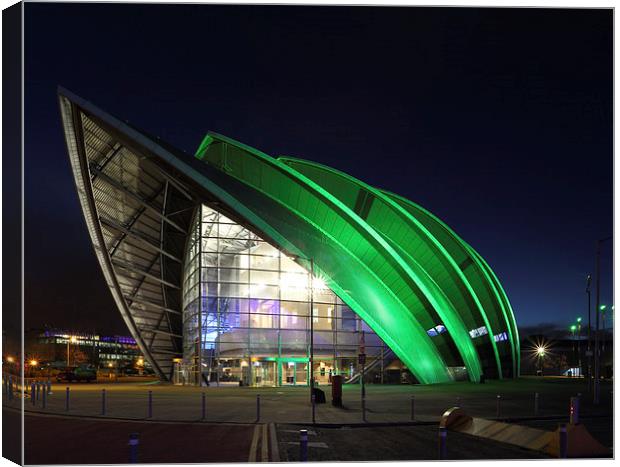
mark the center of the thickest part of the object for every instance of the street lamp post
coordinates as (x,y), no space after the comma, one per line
(589,352)
(312,397)
(579,345)
(540,351)
(597,354)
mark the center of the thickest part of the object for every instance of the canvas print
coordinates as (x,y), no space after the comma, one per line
(306,233)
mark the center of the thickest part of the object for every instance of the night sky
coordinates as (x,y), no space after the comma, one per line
(499,121)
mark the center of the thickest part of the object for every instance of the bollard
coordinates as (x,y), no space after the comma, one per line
(10,387)
(458,401)
(563,441)
(38,390)
(103,402)
(150,406)
(33,393)
(536,403)
(499,398)
(412,408)
(67,399)
(204,407)
(313,400)
(257,407)
(134,441)
(574,410)
(443,443)
(364,409)
(44,399)
(303,445)
(49,387)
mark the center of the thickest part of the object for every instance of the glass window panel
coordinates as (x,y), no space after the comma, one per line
(265,277)
(264,262)
(233,275)
(234,260)
(264,340)
(294,293)
(234,290)
(264,291)
(294,340)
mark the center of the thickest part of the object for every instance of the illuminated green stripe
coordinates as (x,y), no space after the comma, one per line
(433,292)
(510,323)
(413,345)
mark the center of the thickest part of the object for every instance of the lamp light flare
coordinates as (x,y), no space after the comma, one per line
(33,363)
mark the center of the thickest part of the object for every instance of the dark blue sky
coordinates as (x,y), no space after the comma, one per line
(497,120)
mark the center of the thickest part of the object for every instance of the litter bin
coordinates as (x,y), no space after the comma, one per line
(337,390)
(319,396)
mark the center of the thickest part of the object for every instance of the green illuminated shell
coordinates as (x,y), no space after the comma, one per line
(398,267)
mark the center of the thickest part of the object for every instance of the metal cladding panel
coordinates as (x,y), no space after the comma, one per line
(437,274)
(486,286)
(357,263)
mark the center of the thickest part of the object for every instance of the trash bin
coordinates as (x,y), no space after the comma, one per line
(319,396)
(337,390)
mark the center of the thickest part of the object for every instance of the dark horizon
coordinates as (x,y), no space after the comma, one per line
(499,121)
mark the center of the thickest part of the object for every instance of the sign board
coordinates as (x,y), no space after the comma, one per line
(362,359)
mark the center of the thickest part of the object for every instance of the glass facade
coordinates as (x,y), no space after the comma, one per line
(246,314)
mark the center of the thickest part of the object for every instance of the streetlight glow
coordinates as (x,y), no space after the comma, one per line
(10,359)
(33,363)
(540,350)
(573,328)
(579,320)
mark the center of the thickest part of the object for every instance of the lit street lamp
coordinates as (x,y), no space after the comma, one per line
(540,351)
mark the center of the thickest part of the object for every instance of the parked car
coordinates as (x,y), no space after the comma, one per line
(81,373)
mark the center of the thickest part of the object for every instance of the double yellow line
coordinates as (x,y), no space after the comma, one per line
(265,437)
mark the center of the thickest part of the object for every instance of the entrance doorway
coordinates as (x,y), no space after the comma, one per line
(264,373)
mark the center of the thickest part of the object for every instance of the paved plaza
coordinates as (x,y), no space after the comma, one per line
(384,403)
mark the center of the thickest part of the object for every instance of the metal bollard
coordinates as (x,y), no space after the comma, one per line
(536,403)
(563,441)
(443,443)
(49,387)
(303,445)
(257,407)
(44,399)
(33,392)
(204,407)
(134,441)
(67,399)
(150,406)
(499,398)
(10,388)
(313,401)
(103,402)
(574,410)
(38,390)
(364,409)
(412,408)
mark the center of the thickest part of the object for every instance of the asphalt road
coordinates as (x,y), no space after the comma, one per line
(60,440)
(391,444)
